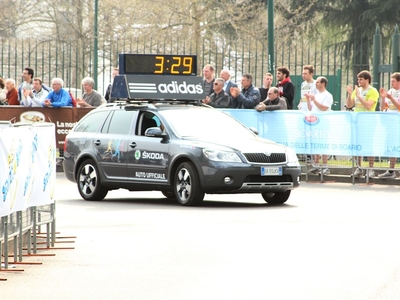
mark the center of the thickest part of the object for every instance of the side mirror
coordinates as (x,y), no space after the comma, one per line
(255,131)
(153,132)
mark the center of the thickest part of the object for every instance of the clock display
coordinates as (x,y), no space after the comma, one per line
(158,64)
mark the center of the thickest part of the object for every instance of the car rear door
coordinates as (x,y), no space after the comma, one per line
(111,144)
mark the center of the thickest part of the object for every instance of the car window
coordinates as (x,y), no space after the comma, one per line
(208,124)
(145,121)
(91,122)
(121,122)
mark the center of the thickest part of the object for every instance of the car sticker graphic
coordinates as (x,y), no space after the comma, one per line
(113,150)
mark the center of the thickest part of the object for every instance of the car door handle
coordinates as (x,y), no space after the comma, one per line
(97,143)
(132,145)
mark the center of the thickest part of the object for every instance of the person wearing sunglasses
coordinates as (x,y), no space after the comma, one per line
(219,98)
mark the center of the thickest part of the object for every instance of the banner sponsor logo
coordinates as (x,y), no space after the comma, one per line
(311,120)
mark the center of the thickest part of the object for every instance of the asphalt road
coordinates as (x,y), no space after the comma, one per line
(330,241)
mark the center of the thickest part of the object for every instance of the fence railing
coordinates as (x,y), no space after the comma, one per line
(73,61)
(27,223)
(27,181)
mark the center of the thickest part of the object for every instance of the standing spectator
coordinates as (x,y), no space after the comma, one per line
(90,97)
(36,96)
(390,102)
(27,76)
(364,97)
(249,97)
(12,92)
(321,101)
(225,75)
(273,101)
(107,96)
(267,83)
(58,97)
(219,98)
(307,86)
(285,85)
(3,92)
(208,79)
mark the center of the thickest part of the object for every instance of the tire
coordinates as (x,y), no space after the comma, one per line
(88,181)
(187,187)
(169,194)
(276,198)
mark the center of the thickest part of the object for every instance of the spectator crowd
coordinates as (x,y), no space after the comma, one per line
(314,96)
(222,92)
(33,93)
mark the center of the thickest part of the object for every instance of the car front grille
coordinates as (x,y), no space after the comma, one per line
(264,158)
(259,178)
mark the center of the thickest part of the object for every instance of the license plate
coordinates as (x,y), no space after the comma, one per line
(271,171)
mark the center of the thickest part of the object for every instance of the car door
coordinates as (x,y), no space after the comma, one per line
(148,156)
(111,144)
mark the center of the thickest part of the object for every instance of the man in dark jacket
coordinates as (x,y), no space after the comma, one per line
(249,97)
(273,101)
(219,98)
(285,85)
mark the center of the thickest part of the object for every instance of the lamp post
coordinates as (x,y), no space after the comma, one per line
(95,54)
(271,54)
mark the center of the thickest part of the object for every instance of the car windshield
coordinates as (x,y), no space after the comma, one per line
(205,124)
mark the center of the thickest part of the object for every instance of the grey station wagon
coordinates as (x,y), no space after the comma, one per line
(182,150)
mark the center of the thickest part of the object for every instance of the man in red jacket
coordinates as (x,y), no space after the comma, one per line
(285,85)
(12,92)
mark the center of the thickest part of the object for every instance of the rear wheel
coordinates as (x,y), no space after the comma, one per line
(187,185)
(276,198)
(88,181)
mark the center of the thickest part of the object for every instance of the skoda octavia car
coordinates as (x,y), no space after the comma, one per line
(182,150)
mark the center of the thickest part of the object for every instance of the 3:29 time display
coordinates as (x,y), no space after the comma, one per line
(175,65)
(159,64)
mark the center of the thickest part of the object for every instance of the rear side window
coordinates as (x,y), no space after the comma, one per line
(120,123)
(91,122)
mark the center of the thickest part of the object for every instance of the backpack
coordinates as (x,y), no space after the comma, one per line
(73,100)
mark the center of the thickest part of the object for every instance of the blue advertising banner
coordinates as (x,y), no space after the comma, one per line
(331,133)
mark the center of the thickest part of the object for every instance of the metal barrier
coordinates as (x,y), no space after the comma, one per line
(16,225)
(27,182)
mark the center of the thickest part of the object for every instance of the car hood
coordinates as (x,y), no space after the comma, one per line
(251,145)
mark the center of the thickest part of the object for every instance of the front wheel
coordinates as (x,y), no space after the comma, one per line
(88,181)
(276,198)
(187,185)
(169,194)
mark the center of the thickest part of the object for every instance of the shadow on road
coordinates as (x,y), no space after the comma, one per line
(142,203)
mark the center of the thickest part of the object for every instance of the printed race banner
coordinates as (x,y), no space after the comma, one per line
(331,133)
(64,118)
(27,173)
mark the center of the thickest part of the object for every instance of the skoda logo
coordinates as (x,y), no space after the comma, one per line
(267,153)
(137,154)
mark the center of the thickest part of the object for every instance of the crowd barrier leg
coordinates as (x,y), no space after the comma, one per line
(53,223)
(1,245)
(5,228)
(20,236)
(34,238)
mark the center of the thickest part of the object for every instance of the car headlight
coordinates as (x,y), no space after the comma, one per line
(292,158)
(225,156)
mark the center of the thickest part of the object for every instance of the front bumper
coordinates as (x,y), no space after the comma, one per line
(240,178)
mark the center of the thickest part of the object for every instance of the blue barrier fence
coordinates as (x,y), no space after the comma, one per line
(332,133)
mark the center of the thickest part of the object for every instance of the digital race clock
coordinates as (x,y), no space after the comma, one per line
(158,64)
